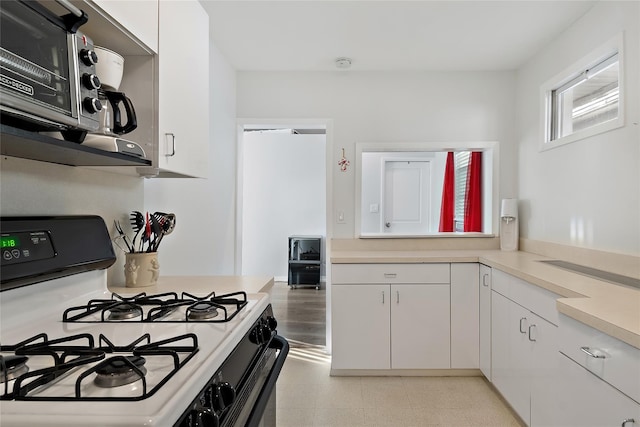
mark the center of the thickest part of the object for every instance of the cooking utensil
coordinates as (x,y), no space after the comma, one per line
(167,221)
(166,224)
(137,224)
(157,234)
(122,236)
(147,231)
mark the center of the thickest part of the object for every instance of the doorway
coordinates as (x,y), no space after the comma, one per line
(282,191)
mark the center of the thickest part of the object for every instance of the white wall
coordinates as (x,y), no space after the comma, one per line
(283,194)
(586,193)
(389,106)
(28,187)
(203,242)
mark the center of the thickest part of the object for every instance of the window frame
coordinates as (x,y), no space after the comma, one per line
(570,76)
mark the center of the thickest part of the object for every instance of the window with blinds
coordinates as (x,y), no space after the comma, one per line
(461,166)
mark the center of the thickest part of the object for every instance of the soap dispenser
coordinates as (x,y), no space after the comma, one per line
(509,234)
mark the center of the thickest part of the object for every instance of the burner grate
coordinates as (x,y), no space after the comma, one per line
(158,307)
(67,354)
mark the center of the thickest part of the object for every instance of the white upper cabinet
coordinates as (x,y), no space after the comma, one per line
(183,92)
(138,17)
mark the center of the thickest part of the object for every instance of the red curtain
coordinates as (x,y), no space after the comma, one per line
(473,196)
(448,199)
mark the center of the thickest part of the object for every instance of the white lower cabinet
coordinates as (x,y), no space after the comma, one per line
(581,399)
(597,382)
(420,326)
(400,326)
(485,321)
(403,322)
(464,316)
(361,327)
(523,349)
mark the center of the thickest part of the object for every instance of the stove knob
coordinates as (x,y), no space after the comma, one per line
(224,396)
(207,399)
(92,105)
(258,334)
(255,336)
(202,417)
(89,57)
(91,81)
(272,322)
(266,333)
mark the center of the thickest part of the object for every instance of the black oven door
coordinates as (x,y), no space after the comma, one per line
(262,412)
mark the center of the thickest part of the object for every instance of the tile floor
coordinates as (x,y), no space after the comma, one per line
(308,396)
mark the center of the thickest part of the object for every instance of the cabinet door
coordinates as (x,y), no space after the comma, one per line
(464,316)
(544,367)
(420,332)
(485,321)
(360,330)
(580,399)
(511,353)
(183,105)
(139,17)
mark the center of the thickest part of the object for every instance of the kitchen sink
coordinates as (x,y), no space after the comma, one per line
(617,279)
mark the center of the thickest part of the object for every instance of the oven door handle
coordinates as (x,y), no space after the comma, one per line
(279,343)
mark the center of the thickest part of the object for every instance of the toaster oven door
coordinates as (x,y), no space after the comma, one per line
(35,59)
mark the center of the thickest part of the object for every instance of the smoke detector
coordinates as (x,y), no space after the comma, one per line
(343,63)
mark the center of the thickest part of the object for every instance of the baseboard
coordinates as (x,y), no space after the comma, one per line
(405,373)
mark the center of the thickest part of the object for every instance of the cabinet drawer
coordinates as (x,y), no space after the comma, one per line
(389,273)
(577,398)
(618,363)
(532,297)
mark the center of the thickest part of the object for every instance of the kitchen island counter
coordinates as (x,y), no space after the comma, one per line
(202,285)
(610,308)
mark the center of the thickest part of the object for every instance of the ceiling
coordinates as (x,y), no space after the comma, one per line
(387,35)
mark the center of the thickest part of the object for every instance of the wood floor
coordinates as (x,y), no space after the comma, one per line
(301,313)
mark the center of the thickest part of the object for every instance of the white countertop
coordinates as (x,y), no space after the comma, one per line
(613,309)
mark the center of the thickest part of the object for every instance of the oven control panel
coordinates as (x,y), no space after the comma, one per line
(26,246)
(39,248)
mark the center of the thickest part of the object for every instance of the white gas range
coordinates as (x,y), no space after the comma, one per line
(72,353)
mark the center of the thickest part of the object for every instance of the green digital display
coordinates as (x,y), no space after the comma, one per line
(10,242)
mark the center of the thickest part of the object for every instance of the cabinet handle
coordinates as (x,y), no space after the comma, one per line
(397,297)
(588,351)
(383,297)
(531,326)
(173,145)
(484,280)
(628,420)
(521,331)
(389,275)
